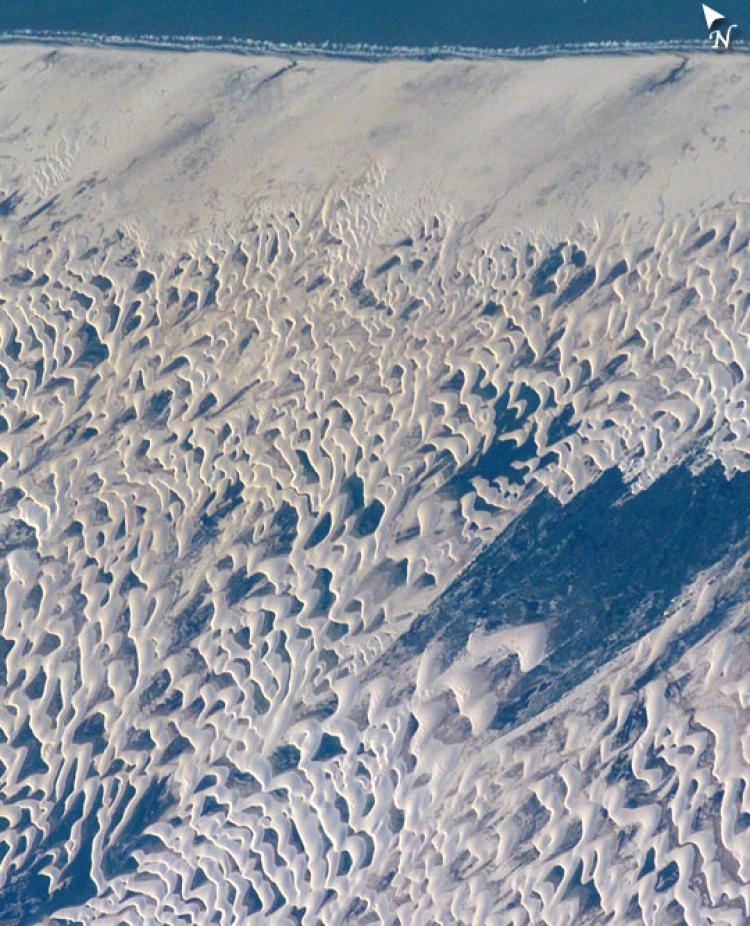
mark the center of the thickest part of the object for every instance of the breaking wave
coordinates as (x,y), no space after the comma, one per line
(359,51)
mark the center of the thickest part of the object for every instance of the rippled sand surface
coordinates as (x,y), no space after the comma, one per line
(373,490)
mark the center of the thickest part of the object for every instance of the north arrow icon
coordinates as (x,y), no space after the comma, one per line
(712,16)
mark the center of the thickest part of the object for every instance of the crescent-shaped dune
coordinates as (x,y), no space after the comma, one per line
(374,453)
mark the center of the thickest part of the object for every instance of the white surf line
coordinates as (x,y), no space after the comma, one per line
(360,51)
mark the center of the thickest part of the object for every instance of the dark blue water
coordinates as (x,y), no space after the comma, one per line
(480,24)
(601,572)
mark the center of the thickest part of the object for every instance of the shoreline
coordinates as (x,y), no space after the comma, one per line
(360,52)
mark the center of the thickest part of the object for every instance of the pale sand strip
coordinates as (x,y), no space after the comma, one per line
(183,145)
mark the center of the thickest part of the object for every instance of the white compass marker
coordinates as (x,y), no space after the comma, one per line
(712,16)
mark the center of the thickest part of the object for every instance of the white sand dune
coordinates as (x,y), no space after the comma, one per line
(255,318)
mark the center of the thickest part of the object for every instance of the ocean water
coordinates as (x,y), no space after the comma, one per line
(443,24)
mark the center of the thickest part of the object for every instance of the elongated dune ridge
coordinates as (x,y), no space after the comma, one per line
(374,490)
